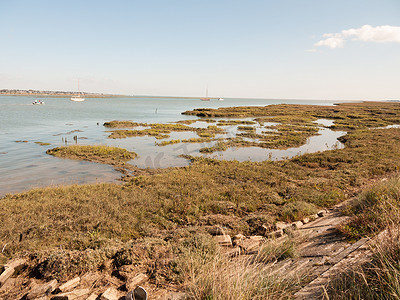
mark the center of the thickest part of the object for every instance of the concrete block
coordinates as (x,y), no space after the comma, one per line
(281,225)
(17,264)
(297,224)
(110,294)
(92,297)
(232,252)
(223,240)
(249,245)
(42,289)
(7,273)
(75,294)
(139,279)
(69,285)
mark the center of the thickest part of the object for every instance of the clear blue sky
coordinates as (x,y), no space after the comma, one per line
(248,48)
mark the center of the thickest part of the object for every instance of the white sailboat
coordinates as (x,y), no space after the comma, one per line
(206,98)
(79,97)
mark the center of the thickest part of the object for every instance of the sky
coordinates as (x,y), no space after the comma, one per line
(286,49)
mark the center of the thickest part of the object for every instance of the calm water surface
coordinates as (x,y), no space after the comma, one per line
(24,163)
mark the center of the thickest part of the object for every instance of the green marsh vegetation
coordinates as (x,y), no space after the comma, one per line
(161,131)
(292,124)
(101,154)
(159,220)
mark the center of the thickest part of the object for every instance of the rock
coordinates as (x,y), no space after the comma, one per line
(8,285)
(232,252)
(238,237)
(140,293)
(71,295)
(297,225)
(69,285)
(249,245)
(321,213)
(288,230)
(306,220)
(275,234)
(110,294)
(174,296)
(7,273)
(216,230)
(92,297)
(42,289)
(17,264)
(137,280)
(223,240)
(91,279)
(281,225)
(258,238)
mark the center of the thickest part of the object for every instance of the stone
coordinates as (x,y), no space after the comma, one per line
(91,279)
(249,245)
(275,234)
(92,297)
(216,230)
(239,237)
(174,296)
(140,293)
(69,285)
(306,220)
(321,213)
(75,294)
(137,280)
(223,240)
(297,224)
(17,264)
(8,285)
(281,225)
(42,289)
(7,273)
(232,252)
(258,238)
(110,294)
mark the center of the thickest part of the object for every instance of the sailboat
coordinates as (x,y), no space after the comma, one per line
(78,98)
(206,98)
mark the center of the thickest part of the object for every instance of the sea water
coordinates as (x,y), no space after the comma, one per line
(24,163)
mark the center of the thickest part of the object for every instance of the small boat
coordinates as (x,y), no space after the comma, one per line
(220,99)
(37,102)
(206,98)
(79,97)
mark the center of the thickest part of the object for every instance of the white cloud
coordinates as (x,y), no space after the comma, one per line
(366,33)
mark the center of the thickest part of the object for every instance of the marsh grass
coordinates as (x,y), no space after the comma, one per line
(102,154)
(376,210)
(206,273)
(42,144)
(108,220)
(377,279)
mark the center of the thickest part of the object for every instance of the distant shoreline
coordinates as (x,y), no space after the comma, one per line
(55,94)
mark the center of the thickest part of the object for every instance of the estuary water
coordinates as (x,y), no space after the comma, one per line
(24,128)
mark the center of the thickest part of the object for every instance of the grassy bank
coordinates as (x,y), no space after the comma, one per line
(376,209)
(157,223)
(240,196)
(101,154)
